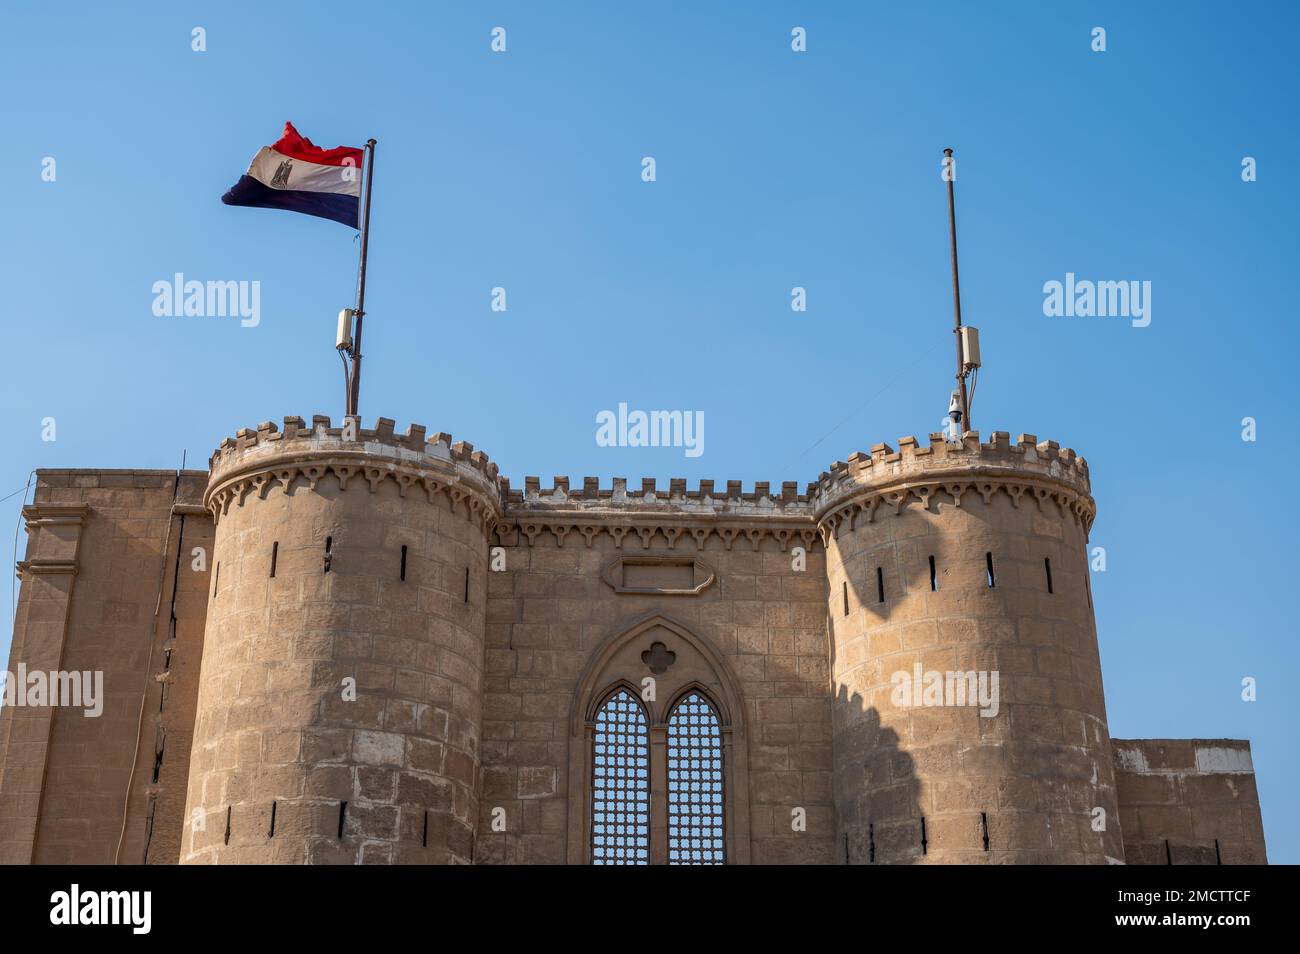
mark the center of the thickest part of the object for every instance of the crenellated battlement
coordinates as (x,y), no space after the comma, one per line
(704,497)
(255,457)
(1041,470)
(654,512)
(382,439)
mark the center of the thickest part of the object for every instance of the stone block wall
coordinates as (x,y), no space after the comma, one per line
(946,561)
(484,626)
(100,586)
(1188,801)
(339,709)
(550,612)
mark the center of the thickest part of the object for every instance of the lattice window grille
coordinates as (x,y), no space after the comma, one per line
(620,829)
(695,791)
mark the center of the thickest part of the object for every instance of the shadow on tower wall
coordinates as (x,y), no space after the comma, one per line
(981,590)
(874,787)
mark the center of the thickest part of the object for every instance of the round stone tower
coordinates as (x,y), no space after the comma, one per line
(969,721)
(339,705)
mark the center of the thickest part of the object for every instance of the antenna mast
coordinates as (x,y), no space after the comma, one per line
(950,173)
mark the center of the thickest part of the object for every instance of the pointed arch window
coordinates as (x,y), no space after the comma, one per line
(695,784)
(658,765)
(620,805)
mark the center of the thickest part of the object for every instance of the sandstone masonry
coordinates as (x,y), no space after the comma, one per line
(349,645)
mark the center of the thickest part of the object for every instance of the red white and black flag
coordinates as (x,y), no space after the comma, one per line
(296,175)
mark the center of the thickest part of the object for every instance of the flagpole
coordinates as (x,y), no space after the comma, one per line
(354,390)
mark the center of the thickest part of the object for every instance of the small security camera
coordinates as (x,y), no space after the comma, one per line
(954,406)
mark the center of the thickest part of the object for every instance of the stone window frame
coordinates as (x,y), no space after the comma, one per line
(595,686)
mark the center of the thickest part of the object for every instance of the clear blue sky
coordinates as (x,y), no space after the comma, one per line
(775,169)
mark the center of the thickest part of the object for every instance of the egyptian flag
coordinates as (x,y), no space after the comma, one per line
(296,175)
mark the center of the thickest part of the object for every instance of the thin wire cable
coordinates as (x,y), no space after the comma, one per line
(347,380)
(13,581)
(20,490)
(148,668)
(858,410)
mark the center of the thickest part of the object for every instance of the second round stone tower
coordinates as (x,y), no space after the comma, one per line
(339,707)
(969,724)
